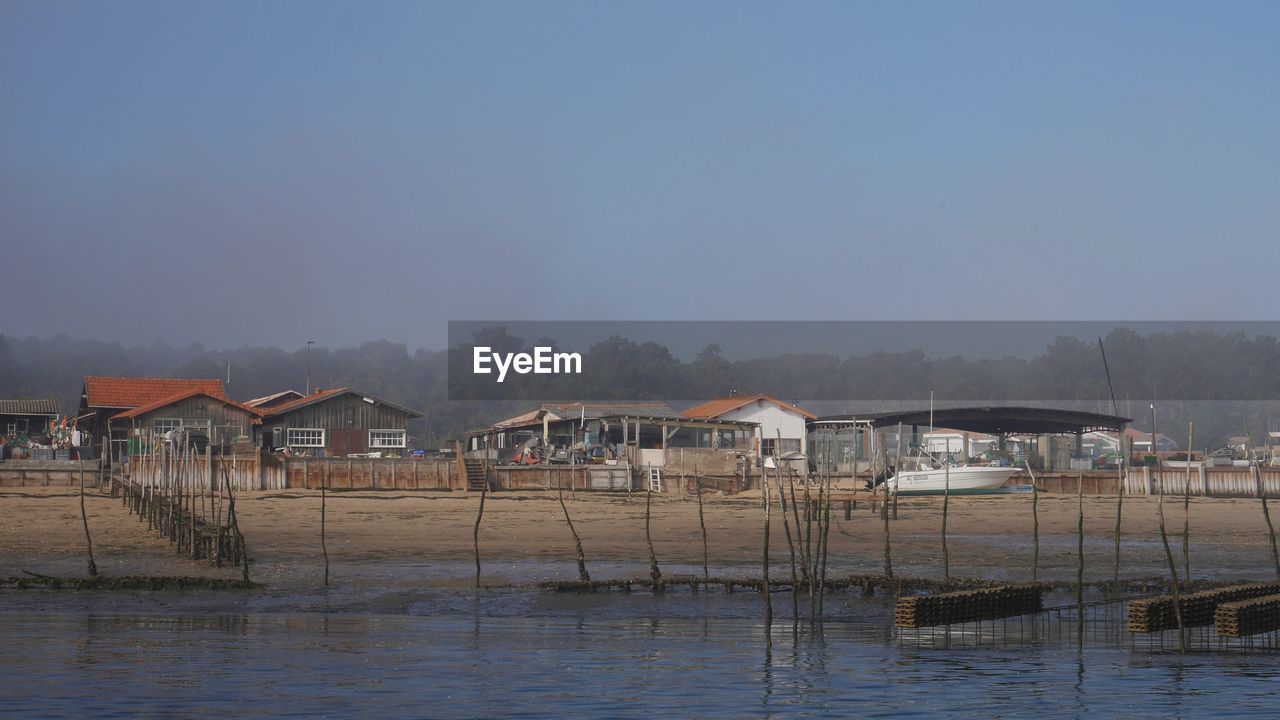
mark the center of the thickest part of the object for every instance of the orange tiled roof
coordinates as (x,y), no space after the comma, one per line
(164,402)
(128,393)
(717,408)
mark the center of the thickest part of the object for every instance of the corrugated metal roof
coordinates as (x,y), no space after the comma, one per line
(37,406)
(598,410)
(126,393)
(268,399)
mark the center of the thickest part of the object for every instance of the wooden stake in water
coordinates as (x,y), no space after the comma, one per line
(1186,509)
(84,517)
(324,548)
(1115,569)
(795,515)
(1262,495)
(1035,524)
(764,583)
(583,575)
(654,573)
(946,500)
(791,548)
(897,468)
(1173,568)
(702,522)
(826,532)
(475,531)
(1080,561)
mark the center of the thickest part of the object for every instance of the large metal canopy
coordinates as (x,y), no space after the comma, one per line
(989,420)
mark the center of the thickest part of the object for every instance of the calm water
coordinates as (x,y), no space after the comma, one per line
(520,653)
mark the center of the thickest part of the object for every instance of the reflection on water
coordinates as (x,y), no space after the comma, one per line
(525,654)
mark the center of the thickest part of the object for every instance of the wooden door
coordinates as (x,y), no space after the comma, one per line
(346,442)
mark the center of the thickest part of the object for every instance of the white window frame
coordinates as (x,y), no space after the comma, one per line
(169,424)
(377,445)
(291,440)
(768,446)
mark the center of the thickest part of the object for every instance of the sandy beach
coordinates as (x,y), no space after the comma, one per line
(523,536)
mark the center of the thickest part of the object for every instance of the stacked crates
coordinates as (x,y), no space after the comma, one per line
(952,608)
(1149,615)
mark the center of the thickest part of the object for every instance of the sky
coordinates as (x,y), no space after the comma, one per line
(270,173)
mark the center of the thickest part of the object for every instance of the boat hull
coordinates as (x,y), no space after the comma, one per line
(961,481)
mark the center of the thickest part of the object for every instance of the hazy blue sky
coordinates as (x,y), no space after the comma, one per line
(273,172)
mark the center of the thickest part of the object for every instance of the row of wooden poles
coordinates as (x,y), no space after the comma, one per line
(179,506)
(807,543)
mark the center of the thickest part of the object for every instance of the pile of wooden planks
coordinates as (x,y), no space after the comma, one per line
(951,608)
(1248,617)
(1148,615)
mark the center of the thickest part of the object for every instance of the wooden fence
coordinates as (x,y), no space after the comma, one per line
(371,474)
(168,467)
(1241,482)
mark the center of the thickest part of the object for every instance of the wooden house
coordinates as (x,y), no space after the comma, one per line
(337,423)
(105,397)
(26,417)
(205,417)
(780,426)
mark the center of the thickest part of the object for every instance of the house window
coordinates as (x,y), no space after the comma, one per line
(386,439)
(306,437)
(768,446)
(164,425)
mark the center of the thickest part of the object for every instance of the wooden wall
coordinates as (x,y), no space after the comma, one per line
(372,474)
(200,408)
(339,414)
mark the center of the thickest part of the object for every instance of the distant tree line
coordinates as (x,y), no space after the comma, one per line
(1218,380)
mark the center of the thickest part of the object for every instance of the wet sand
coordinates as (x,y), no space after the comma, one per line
(523,536)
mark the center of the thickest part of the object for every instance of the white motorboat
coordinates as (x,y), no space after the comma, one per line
(955,480)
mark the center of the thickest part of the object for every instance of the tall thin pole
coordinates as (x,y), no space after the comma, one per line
(1115,410)
(946,500)
(1173,568)
(702,522)
(1080,561)
(654,573)
(764,582)
(309,344)
(1035,523)
(1186,509)
(1262,495)
(84,517)
(324,548)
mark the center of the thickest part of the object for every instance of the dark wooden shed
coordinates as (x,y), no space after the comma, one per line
(23,417)
(337,423)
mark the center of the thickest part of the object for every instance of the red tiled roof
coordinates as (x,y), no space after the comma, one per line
(165,402)
(717,408)
(127,393)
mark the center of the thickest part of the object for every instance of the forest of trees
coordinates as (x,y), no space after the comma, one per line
(1219,381)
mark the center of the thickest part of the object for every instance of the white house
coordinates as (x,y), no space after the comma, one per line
(775,417)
